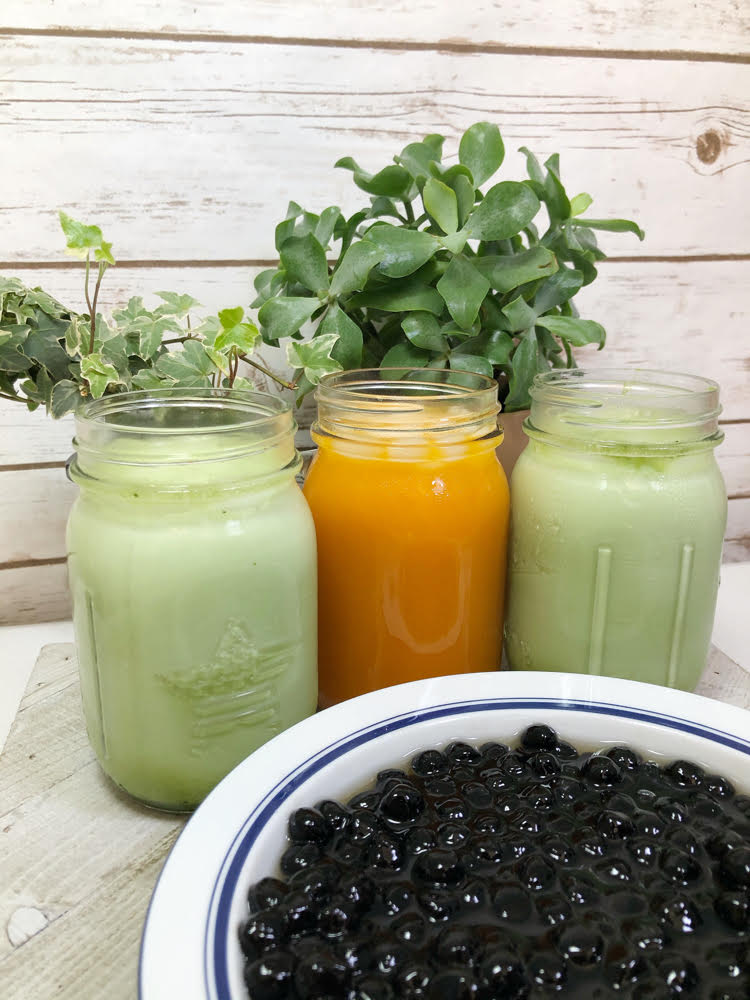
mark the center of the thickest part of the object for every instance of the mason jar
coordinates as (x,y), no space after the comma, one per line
(618,517)
(192,565)
(411,511)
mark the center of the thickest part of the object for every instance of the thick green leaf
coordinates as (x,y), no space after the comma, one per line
(406,356)
(463,288)
(441,203)
(417,157)
(305,261)
(404,250)
(519,314)
(556,197)
(557,289)
(464,191)
(423,330)
(533,166)
(505,210)
(454,242)
(326,226)
(99,373)
(576,331)
(65,397)
(612,226)
(314,357)
(282,317)
(496,347)
(481,150)
(527,362)
(347,349)
(471,363)
(580,203)
(354,267)
(508,272)
(190,365)
(392,181)
(404,295)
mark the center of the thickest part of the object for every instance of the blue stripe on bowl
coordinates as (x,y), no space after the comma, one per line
(215,966)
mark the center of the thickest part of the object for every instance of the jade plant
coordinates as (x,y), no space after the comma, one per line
(52,356)
(438,271)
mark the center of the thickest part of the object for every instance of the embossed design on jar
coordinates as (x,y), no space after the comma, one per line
(236,687)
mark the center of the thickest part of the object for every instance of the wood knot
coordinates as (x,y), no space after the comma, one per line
(708,146)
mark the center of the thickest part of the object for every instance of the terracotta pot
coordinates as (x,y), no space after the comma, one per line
(514,439)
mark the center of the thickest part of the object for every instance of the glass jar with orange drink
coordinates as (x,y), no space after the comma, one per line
(411,512)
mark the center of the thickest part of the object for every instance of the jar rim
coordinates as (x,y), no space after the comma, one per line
(615,407)
(256,410)
(403,405)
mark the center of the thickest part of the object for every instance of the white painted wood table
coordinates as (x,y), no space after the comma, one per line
(79,860)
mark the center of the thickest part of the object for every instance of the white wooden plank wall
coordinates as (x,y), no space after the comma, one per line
(184,127)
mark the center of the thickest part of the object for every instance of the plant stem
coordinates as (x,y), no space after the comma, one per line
(92,318)
(267,371)
(102,269)
(178,340)
(409,211)
(14,399)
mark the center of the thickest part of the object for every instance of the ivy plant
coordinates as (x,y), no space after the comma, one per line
(54,357)
(438,270)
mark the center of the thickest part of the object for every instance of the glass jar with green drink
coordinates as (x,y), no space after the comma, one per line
(193,572)
(618,512)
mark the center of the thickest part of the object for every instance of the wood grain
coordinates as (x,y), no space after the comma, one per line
(659,26)
(192,150)
(34,594)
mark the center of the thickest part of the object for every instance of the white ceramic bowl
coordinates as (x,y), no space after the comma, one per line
(190,943)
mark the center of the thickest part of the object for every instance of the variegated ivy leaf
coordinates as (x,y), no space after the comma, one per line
(234,333)
(82,239)
(314,356)
(99,373)
(176,304)
(77,336)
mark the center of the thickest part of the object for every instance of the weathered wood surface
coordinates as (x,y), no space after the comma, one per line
(78,861)
(190,150)
(658,27)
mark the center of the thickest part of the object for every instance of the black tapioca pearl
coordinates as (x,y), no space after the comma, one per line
(419,840)
(536,873)
(477,795)
(733,907)
(679,914)
(648,824)
(601,772)
(614,870)
(514,765)
(502,974)
(452,984)
(440,787)
(364,800)
(647,935)
(410,929)
(592,844)
(430,764)
(565,751)
(263,931)
(371,988)
(685,774)
(308,825)
(270,977)
(624,973)
(438,905)
(679,866)
(625,758)
(672,811)
(538,797)
(734,867)
(484,823)
(473,896)
(498,781)
(452,835)
(511,903)
(388,957)
(413,981)
(539,737)
(579,889)
(581,945)
(462,753)
(454,808)
(723,841)
(439,867)
(317,882)
(335,814)
(299,856)
(548,971)
(553,909)
(402,803)
(567,790)
(559,849)
(266,893)
(718,786)
(389,774)
(338,918)
(363,825)
(300,915)
(704,807)
(492,752)
(643,850)
(457,946)
(614,825)
(679,973)
(398,897)
(544,764)
(359,890)
(684,840)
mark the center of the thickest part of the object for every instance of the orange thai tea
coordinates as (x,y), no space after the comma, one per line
(411,512)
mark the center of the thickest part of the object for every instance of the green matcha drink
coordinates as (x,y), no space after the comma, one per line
(618,511)
(192,568)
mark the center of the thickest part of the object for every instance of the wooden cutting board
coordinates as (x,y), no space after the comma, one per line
(79,860)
